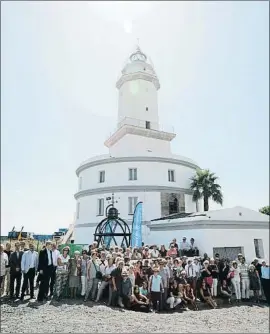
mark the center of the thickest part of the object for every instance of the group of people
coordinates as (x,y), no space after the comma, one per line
(139,278)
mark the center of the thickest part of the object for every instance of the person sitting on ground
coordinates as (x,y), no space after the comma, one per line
(144,289)
(174,299)
(138,301)
(206,295)
(181,289)
(225,291)
(189,297)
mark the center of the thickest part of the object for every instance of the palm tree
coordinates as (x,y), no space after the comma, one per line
(204,186)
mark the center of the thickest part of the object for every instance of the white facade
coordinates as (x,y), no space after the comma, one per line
(139,144)
(231,228)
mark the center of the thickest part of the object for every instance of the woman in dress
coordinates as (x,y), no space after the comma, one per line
(74,274)
(61,273)
(235,279)
(254,282)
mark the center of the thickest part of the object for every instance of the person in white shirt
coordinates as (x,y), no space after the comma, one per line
(154,253)
(55,255)
(184,246)
(29,266)
(3,264)
(190,269)
(61,273)
(106,281)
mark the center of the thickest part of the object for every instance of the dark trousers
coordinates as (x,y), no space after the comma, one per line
(44,283)
(164,297)
(115,296)
(156,299)
(15,276)
(53,280)
(266,289)
(29,277)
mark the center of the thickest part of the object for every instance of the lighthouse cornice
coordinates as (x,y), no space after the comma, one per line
(136,76)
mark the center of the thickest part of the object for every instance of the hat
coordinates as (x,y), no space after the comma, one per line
(155,269)
(77,252)
(240,254)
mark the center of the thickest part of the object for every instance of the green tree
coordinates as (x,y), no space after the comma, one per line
(265,210)
(204,185)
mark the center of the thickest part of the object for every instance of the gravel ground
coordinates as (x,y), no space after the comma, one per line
(67,317)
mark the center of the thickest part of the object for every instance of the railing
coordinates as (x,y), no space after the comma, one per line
(142,124)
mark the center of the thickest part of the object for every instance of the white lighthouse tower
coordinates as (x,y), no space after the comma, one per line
(140,165)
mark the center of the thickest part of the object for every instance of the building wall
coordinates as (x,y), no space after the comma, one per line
(207,239)
(132,145)
(148,173)
(134,97)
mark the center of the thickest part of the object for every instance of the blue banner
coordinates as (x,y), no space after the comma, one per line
(136,236)
(107,239)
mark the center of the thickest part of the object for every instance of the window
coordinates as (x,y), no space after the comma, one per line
(173,206)
(171,177)
(132,174)
(100,208)
(80,183)
(258,243)
(146,108)
(78,210)
(102,176)
(147,125)
(132,202)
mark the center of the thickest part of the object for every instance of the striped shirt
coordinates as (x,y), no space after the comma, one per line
(244,270)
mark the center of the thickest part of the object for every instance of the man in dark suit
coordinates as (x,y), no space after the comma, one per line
(15,261)
(45,268)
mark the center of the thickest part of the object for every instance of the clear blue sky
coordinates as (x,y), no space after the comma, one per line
(60,62)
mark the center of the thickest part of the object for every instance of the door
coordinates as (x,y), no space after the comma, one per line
(228,252)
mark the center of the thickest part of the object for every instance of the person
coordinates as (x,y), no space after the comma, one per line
(163,251)
(62,271)
(138,272)
(74,274)
(3,265)
(235,280)
(193,250)
(265,280)
(225,291)
(15,270)
(206,295)
(184,247)
(174,299)
(172,252)
(125,291)
(144,289)
(84,264)
(107,281)
(254,280)
(191,274)
(174,243)
(146,253)
(206,274)
(213,268)
(55,255)
(163,272)
(189,297)
(116,283)
(45,268)
(131,275)
(154,252)
(7,279)
(244,279)
(155,289)
(29,267)
(135,254)
(138,301)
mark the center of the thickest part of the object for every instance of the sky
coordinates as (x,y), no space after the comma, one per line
(59,65)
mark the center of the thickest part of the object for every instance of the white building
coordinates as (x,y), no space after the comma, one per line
(140,165)
(226,231)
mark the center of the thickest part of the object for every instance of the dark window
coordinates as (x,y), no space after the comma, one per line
(147,125)
(173,206)
(146,108)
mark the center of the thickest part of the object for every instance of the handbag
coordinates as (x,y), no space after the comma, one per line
(231,274)
(98,273)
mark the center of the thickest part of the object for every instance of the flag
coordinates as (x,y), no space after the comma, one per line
(108,229)
(136,234)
